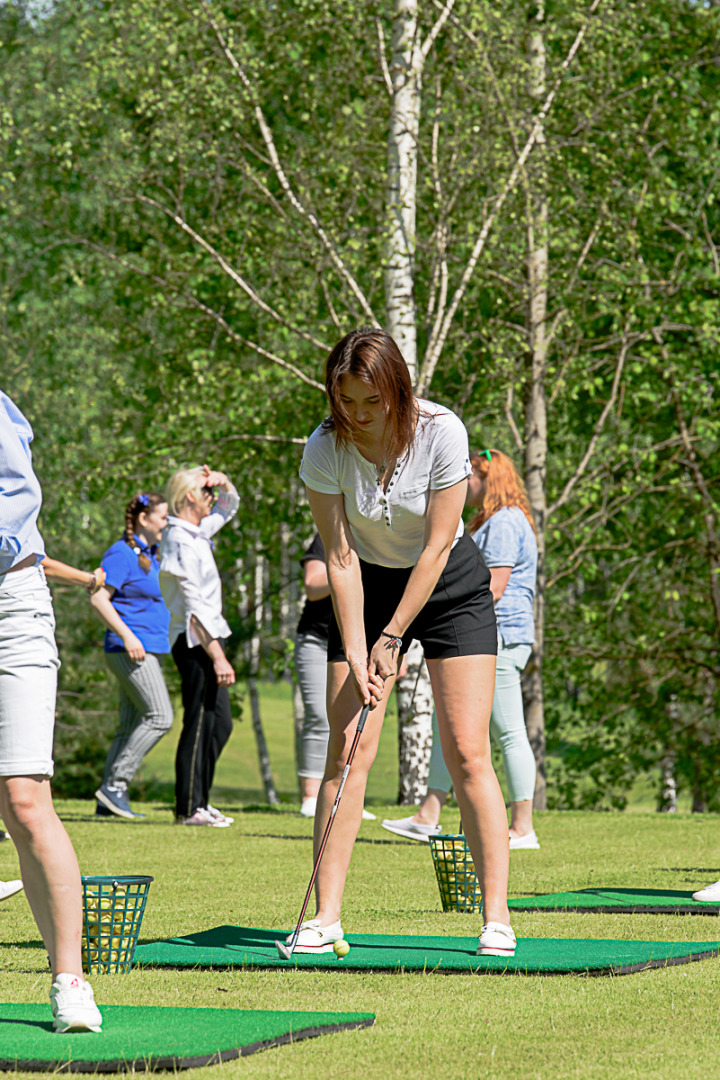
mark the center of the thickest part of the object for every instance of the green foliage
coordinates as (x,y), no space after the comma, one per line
(164,301)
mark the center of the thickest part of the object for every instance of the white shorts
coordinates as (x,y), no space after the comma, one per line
(28,674)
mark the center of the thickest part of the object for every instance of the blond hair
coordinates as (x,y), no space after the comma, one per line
(503,486)
(180,483)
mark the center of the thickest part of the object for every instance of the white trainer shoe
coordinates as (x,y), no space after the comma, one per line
(73,1004)
(528,842)
(9,888)
(367,815)
(314,938)
(218,815)
(710,894)
(203,817)
(496,939)
(308,807)
(410,829)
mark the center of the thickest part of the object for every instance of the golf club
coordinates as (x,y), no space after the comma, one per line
(284,950)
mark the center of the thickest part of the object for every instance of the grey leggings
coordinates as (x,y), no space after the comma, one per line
(145,715)
(311,668)
(507,728)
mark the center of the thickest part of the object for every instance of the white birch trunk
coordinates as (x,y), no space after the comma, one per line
(415,706)
(536,411)
(262,748)
(400,193)
(414,692)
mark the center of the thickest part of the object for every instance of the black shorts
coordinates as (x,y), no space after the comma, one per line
(457,620)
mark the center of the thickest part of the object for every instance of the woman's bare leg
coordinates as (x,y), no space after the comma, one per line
(48,866)
(463,688)
(521,817)
(343,714)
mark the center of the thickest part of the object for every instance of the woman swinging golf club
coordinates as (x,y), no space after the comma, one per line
(386,476)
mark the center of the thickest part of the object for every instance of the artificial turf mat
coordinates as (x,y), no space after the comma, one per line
(243,946)
(138,1039)
(643,901)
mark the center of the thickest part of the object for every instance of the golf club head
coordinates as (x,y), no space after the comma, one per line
(284,952)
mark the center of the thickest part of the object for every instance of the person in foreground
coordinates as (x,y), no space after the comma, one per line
(504,531)
(28,685)
(386,477)
(131,606)
(191,588)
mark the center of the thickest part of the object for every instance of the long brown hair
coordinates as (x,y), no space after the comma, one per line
(502,486)
(144,503)
(372,356)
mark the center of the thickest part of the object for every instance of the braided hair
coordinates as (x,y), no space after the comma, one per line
(144,503)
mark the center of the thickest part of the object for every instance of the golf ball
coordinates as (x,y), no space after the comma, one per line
(341,948)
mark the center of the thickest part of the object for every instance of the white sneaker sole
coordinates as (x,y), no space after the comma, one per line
(77,1025)
(306,949)
(422,837)
(489,951)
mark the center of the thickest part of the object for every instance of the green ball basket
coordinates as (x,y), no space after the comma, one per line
(455,872)
(113,908)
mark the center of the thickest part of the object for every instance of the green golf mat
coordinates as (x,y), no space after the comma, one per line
(243,946)
(645,901)
(139,1039)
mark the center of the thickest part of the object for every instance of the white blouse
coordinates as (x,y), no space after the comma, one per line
(389,526)
(189,578)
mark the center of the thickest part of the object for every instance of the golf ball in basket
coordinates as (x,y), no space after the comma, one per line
(341,948)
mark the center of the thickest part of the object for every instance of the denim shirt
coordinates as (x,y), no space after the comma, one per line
(506,539)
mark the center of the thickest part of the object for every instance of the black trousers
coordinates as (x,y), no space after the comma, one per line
(207,725)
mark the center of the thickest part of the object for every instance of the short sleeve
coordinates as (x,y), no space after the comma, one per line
(318,468)
(502,539)
(315,551)
(116,565)
(451,453)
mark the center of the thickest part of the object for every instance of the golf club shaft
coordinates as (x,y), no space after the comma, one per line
(328,827)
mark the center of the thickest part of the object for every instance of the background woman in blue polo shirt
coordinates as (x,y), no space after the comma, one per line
(131,606)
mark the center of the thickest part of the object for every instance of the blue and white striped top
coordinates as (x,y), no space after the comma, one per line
(20,494)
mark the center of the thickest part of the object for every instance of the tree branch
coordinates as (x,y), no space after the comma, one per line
(440,22)
(231,272)
(269,141)
(383,58)
(511,419)
(204,308)
(436,343)
(599,424)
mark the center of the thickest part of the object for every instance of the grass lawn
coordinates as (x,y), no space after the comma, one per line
(660,1024)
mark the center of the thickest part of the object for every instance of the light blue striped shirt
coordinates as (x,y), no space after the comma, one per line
(20,494)
(507,539)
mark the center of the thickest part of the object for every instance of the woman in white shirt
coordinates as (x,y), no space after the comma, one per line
(192,591)
(386,476)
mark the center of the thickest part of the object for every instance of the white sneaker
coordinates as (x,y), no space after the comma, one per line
(202,817)
(410,829)
(528,842)
(314,938)
(9,888)
(73,1005)
(308,807)
(368,816)
(710,894)
(218,815)
(496,939)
